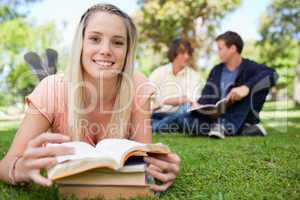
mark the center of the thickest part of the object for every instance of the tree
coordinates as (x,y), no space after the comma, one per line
(280,41)
(160,21)
(17,37)
(9,9)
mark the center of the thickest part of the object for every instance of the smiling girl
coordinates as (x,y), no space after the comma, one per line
(98,97)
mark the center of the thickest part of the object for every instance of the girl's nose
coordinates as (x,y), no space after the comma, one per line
(105,48)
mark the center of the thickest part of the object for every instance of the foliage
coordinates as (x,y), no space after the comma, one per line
(235,168)
(18,37)
(280,39)
(10,9)
(160,21)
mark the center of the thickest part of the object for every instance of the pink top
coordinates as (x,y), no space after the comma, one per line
(49,99)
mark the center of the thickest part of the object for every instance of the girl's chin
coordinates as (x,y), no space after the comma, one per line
(102,69)
(104,74)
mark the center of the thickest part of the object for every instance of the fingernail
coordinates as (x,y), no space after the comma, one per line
(146,159)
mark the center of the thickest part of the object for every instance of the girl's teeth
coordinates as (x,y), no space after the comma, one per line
(104,63)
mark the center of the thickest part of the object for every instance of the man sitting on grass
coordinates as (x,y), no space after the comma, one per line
(175,84)
(244,83)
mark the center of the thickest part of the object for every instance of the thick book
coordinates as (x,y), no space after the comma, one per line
(106,192)
(211,109)
(108,153)
(128,182)
(129,175)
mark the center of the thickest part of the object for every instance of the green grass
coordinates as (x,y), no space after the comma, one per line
(234,168)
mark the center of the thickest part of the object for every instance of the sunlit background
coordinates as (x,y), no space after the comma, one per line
(269,29)
(234,168)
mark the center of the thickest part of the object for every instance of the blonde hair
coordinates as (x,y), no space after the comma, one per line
(76,95)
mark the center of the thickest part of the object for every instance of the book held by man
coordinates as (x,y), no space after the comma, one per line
(211,109)
(109,169)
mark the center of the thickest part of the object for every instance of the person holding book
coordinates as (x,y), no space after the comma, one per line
(240,85)
(176,84)
(98,97)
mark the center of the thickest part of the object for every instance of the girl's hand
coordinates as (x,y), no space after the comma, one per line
(164,168)
(37,156)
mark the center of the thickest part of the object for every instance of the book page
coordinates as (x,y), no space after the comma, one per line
(210,109)
(82,150)
(116,148)
(202,107)
(222,105)
(222,102)
(133,168)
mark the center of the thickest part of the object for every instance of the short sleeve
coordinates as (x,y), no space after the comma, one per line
(143,90)
(44,98)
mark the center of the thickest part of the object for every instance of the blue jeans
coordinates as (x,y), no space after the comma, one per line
(167,121)
(195,123)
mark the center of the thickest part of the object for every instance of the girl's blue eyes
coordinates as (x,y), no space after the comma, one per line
(98,40)
(95,39)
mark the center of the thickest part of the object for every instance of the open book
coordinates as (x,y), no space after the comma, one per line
(108,153)
(211,109)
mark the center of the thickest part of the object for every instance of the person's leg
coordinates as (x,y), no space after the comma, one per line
(252,126)
(242,112)
(159,115)
(166,122)
(156,118)
(257,102)
(235,116)
(194,124)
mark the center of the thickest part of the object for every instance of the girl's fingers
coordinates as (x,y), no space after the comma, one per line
(153,167)
(48,151)
(160,188)
(48,138)
(170,157)
(39,179)
(165,166)
(164,177)
(40,163)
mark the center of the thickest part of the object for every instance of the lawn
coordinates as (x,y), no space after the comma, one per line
(234,168)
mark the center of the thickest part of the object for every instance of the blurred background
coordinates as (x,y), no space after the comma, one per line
(270,29)
(235,168)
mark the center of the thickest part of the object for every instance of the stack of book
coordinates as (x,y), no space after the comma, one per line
(129,181)
(113,169)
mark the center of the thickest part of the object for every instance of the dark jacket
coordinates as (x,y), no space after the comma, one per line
(258,77)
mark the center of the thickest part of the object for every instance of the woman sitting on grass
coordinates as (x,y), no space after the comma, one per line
(99,97)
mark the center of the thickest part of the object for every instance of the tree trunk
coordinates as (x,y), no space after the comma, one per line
(274,92)
(297,85)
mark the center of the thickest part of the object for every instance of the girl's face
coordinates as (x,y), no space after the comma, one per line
(104,45)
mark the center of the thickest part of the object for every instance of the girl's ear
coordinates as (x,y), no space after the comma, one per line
(35,64)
